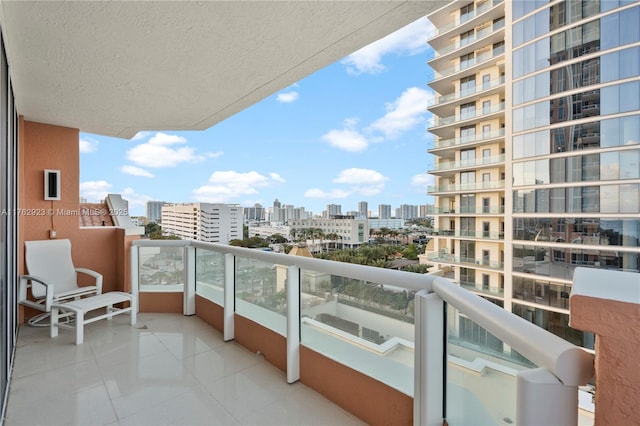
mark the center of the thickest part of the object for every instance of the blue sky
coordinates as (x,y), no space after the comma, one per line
(353,131)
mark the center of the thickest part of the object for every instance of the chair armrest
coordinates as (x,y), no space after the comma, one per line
(96,275)
(22,292)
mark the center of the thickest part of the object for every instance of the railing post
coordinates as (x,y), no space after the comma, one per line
(229,297)
(430,356)
(135,283)
(293,324)
(542,399)
(189,307)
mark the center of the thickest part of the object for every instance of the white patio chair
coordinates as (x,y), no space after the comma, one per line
(52,277)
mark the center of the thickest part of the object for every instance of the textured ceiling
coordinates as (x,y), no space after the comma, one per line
(114,68)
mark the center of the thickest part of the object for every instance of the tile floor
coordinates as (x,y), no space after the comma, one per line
(166,370)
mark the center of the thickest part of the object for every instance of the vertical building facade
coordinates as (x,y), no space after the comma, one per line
(154,211)
(363,209)
(384,211)
(563,162)
(212,223)
(469,144)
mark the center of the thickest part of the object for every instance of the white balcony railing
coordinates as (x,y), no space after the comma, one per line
(387,324)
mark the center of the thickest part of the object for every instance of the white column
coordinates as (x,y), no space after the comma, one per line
(429,361)
(229,297)
(189,307)
(293,324)
(135,283)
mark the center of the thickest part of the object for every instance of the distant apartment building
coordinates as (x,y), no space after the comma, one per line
(406,211)
(212,223)
(351,232)
(384,211)
(154,211)
(363,209)
(537,149)
(425,210)
(254,214)
(332,210)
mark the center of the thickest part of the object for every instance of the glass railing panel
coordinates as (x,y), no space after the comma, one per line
(210,275)
(363,325)
(481,374)
(261,293)
(161,269)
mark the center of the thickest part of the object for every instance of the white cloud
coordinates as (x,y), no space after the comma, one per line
(421,181)
(216,154)
(226,185)
(287,97)
(346,139)
(159,151)
(404,113)
(333,194)
(365,182)
(88,145)
(136,171)
(409,40)
(95,191)
(356,176)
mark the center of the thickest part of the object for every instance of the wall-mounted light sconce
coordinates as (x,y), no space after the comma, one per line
(52,185)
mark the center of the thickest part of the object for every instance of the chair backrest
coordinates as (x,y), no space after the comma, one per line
(51,261)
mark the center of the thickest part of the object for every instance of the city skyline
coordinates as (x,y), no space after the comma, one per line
(347,133)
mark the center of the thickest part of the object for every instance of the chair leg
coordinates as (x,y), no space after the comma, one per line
(53,323)
(79,327)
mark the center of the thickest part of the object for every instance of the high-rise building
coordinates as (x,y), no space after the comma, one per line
(154,211)
(407,211)
(537,114)
(363,209)
(212,223)
(333,210)
(254,214)
(384,211)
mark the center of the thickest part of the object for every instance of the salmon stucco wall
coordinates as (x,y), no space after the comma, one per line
(617,328)
(44,146)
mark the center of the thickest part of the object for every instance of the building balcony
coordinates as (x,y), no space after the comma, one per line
(445,147)
(464,118)
(482,38)
(249,337)
(442,20)
(483,290)
(466,261)
(449,167)
(484,210)
(466,187)
(445,105)
(476,235)
(444,78)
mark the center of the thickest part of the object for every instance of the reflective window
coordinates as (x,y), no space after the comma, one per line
(585,199)
(620,98)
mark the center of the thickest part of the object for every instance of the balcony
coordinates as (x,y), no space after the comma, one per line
(464,187)
(468,20)
(448,167)
(476,235)
(484,210)
(482,289)
(445,147)
(464,118)
(309,325)
(465,261)
(445,104)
